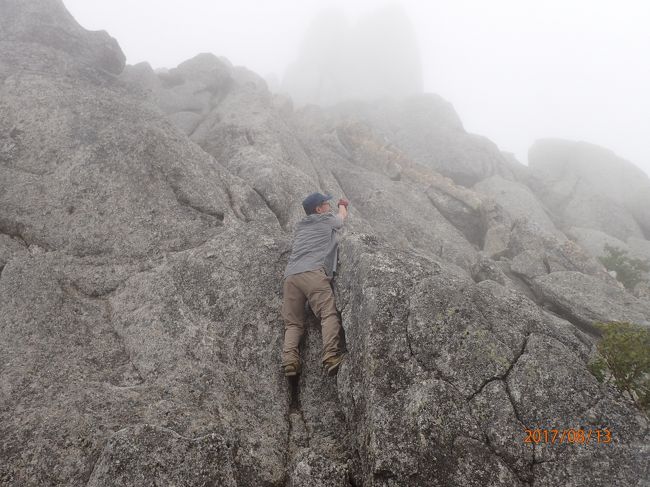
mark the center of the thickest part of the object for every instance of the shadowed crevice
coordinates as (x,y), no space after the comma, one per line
(183,200)
(276,212)
(17,231)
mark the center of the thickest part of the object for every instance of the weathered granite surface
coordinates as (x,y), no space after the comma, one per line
(591,187)
(140,292)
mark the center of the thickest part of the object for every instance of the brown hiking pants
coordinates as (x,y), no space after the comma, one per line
(312,286)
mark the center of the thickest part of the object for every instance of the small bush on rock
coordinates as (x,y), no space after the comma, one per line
(624,358)
(629,271)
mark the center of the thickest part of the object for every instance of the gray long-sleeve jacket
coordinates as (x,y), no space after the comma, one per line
(315,244)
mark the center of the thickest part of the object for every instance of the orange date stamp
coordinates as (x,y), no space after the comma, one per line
(578,436)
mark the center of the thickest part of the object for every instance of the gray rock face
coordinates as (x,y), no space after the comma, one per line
(518,200)
(550,269)
(406,218)
(637,203)
(126,184)
(639,248)
(48,23)
(100,198)
(588,299)
(443,377)
(428,130)
(594,241)
(140,289)
(591,187)
(187,89)
(237,123)
(132,454)
(560,275)
(531,245)
(268,148)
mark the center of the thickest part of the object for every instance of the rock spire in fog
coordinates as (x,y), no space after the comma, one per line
(376,56)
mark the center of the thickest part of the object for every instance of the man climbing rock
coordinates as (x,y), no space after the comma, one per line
(307,278)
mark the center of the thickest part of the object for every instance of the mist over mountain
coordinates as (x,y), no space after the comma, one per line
(374,57)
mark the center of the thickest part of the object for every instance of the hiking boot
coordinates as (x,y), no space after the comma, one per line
(292,370)
(332,364)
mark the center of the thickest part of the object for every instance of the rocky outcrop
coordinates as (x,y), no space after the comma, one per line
(283,156)
(428,130)
(444,376)
(591,187)
(556,273)
(229,112)
(587,299)
(518,201)
(140,289)
(50,26)
(110,175)
(594,241)
(637,204)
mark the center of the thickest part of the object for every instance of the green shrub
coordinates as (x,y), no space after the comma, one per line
(629,271)
(624,358)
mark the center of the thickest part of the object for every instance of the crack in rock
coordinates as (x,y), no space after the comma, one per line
(504,376)
(564,313)
(16,231)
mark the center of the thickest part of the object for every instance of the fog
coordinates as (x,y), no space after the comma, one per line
(515,70)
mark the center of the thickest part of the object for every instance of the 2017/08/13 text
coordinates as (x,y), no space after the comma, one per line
(571,435)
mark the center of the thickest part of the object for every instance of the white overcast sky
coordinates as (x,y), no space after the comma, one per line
(515,70)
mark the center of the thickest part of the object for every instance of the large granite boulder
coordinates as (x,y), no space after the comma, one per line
(186,90)
(229,112)
(109,321)
(587,299)
(89,170)
(557,273)
(536,252)
(444,376)
(48,24)
(428,130)
(518,200)
(594,241)
(284,155)
(591,187)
